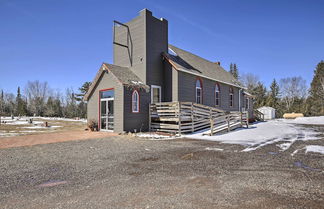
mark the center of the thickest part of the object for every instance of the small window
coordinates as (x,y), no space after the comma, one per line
(247,103)
(135,102)
(198,92)
(107,94)
(217,95)
(171,52)
(231,97)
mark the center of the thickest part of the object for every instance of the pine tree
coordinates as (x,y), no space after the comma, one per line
(83,90)
(273,97)
(20,104)
(260,93)
(233,70)
(316,98)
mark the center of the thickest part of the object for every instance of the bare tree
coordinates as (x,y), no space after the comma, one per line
(291,89)
(37,93)
(249,80)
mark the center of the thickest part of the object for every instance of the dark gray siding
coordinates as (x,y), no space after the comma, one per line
(138,121)
(149,37)
(156,44)
(107,81)
(187,91)
(138,37)
(167,85)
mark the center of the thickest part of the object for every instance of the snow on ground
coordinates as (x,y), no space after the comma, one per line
(261,134)
(213,149)
(154,136)
(41,127)
(24,120)
(307,120)
(61,119)
(315,148)
(310,148)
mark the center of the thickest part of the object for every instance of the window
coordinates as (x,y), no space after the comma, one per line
(155,94)
(217,96)
(247,103)
(106,94)
(135,101)
(231,97)
(198,92)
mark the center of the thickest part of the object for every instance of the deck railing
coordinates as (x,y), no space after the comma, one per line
(187,117)
(258,115)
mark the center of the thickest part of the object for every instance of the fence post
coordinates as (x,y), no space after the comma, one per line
(241,114)
(150,118)
(179,117)
(192,119)
(211,127)
(247,119)
(228,123)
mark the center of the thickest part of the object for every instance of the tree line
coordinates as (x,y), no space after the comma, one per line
(288,94)
(39,99)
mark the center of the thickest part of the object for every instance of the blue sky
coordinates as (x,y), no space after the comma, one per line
(64,42)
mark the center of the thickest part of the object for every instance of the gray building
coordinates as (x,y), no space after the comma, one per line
(147,69)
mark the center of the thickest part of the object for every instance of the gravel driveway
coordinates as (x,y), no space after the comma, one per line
(128,172)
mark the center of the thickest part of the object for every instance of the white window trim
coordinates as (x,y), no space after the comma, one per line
(137,102)
(200,88)
(197,95)
(157,87)
(217,91)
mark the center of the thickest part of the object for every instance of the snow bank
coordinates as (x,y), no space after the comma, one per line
(307,120)
(314,148)
(261,134)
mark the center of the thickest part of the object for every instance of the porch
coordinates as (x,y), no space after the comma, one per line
(188,117)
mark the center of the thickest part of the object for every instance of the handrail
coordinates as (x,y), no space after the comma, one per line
(184,117)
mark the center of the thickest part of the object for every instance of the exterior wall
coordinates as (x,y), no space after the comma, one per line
(105,82)
(149,37)
(187,92)
(134,58)
(168,84)
(140,120)
(156,43)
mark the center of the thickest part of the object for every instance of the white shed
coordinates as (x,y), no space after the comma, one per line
(269,112)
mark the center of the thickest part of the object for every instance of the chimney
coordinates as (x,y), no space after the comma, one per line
(218,63)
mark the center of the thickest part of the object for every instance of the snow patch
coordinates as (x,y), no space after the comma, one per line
(314,148)
(213,149)
(307,120)
(261,134)
(154,136)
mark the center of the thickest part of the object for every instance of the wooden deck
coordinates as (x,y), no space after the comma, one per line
(187,117)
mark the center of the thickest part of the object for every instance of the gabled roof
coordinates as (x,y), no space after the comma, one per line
(123,75)
(190,63)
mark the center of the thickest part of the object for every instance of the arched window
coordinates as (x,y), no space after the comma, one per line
(198,92)
(217,95)
(231,97)
(135,101)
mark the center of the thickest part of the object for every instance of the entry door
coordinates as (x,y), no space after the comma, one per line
(155,94)
(107,114)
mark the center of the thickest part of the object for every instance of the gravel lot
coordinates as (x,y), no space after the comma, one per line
(128,172)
